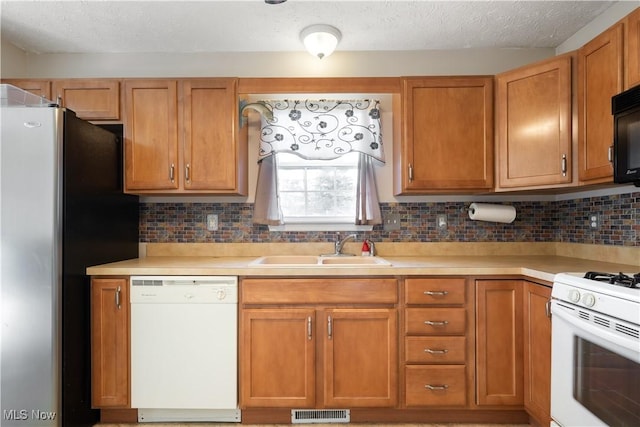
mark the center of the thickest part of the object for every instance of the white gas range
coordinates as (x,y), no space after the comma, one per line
(595,349)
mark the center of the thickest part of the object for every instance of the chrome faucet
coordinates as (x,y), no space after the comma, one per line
(340,243)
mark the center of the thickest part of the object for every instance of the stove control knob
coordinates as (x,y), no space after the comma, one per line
(589,300)
(574,296)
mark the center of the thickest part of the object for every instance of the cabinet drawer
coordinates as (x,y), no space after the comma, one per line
(435,291)
(435,349)
(318,291)
(436,385)
(436,321)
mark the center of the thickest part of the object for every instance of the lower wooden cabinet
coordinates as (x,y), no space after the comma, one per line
(110,343)
(537,352)
(499,345)
(315,355)
(438,358)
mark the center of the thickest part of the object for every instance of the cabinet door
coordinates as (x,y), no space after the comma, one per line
(534,124)
(499,342)
(39,87)
(277,367)
(537,352)
(447,141)
(151,135)
(214,158)
(109,343)
(632,49)
(360,358)
(600,72)
(90,99)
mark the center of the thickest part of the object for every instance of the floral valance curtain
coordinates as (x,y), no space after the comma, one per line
(322,129)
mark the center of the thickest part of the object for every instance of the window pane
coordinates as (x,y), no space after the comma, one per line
(292,203)
(321,179)
(316,189)
(291,179)
(321,203)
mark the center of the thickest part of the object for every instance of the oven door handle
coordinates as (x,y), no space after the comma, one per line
(597,334)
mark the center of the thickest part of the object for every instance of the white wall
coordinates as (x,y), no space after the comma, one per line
(609,17)
(277,64)
(13,61)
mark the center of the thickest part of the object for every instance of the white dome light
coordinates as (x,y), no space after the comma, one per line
(320,40)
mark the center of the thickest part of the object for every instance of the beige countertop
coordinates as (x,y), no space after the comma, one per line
(541,267)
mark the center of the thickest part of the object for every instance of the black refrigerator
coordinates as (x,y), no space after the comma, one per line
(62,209)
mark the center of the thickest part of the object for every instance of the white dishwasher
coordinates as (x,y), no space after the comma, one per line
(184,348)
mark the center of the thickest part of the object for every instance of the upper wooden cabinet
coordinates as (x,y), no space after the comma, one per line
(533,123)
(600,76)
(151,135)
(183,136)
(444,135)
(39,87)
(90,99)
(632,49)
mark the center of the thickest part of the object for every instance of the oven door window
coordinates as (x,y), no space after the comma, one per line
(606,384)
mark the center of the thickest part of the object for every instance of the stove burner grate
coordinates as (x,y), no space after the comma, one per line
(619,279)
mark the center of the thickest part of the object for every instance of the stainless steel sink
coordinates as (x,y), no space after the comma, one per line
(354,260)
(278,260)
(318,261)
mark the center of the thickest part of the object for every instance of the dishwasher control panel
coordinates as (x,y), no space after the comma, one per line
(184,289)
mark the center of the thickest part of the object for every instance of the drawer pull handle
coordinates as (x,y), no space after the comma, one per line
(436,387)
(436,293)
(309,328)
(436,322)
(431,351)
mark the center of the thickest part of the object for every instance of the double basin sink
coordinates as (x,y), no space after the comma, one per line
(318,261)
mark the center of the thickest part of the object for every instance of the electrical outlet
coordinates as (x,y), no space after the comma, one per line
(441,221)
(391,222)
(594,221)
(212,222)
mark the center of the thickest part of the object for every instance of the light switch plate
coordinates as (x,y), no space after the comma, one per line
(441,221)
(391,222)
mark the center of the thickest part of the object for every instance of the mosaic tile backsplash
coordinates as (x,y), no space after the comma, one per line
(554,221)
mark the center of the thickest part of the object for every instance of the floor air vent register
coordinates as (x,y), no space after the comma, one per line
(310,416)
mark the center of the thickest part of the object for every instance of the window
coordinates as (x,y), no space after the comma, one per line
(317,190)
(316,164)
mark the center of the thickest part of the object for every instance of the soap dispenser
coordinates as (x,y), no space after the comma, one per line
(366,251)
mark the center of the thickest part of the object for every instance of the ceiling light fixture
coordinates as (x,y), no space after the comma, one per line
(320,39)
(274,1)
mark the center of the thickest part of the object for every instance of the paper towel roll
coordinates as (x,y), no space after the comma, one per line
(494,213)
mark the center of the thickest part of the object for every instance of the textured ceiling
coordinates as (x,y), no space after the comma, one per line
(253,26)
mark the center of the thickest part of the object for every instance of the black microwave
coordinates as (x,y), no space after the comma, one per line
(626,136)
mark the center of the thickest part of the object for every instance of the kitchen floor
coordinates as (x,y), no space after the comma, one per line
(310,425)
